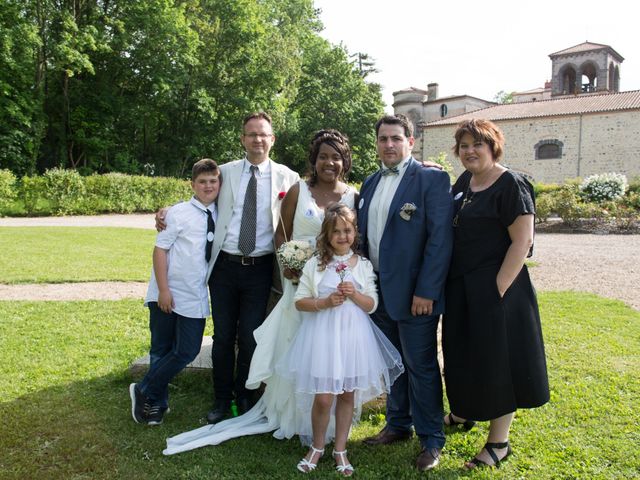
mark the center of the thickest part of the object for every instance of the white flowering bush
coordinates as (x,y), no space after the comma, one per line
(603,187)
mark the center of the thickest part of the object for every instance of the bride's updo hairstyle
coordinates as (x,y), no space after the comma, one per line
(336,140)
(323,241)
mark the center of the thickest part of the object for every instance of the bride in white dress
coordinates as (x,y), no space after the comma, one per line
(302,212)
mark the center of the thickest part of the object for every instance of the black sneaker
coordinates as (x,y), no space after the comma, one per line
(154,414)
(139,404)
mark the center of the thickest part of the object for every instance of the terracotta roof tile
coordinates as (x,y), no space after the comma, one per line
(567,105)
(586,47)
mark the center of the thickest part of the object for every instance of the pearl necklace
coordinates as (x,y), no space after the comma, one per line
(343,258)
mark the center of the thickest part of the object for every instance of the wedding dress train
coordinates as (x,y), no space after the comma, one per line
(276,410)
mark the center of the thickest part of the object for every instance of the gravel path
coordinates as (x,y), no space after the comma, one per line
(606,265)
(135,220)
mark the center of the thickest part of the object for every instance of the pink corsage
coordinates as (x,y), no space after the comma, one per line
(281,195)
(341,270)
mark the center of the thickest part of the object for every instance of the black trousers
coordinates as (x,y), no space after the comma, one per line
(239,297)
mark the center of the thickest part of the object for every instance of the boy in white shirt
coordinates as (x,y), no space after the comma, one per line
(177,296)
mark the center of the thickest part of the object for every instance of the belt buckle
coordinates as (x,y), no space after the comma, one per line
(246,261)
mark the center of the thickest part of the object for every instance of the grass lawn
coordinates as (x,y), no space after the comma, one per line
(72,254)
(65,410)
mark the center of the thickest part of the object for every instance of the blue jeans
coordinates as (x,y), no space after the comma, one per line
(175,342)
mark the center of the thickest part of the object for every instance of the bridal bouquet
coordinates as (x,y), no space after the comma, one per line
(294,254)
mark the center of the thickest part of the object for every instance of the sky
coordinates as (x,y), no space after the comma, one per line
(478,48)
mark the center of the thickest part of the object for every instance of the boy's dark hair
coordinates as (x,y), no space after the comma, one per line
(205,165)
(397,119)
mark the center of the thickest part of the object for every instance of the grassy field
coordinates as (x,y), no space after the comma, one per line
(64,406)
(72,254)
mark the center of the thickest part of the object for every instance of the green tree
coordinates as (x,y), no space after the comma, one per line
(364,63)
(249,61)
(129,86)
(503,97)
(332,94)
(20,114)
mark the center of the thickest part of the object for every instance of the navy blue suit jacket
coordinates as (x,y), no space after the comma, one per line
(415,253)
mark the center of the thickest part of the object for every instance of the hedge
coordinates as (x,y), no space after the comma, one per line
(66,192)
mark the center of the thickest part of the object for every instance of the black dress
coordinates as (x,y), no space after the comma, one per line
(494,361)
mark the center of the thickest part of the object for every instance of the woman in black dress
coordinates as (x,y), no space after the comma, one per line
(494,361)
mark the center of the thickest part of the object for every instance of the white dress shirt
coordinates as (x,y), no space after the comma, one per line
(379,210)
(185,238)
(264,227)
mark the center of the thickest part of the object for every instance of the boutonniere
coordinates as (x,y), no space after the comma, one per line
(407,210)
(281,195)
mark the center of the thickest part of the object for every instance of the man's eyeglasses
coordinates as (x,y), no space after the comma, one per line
(260,136)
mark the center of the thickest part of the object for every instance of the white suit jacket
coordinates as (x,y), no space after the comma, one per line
(282,178)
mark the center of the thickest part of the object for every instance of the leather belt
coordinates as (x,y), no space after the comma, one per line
(247,261)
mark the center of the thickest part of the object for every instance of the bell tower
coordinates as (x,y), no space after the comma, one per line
(585,68)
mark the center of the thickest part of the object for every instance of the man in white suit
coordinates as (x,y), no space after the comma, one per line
(241,269)
(242,259)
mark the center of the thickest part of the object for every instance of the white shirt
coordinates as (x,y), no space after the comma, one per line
(379,210)
(185,238)
(264,228)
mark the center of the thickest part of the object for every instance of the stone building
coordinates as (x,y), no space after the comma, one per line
(424,106)
(577,125)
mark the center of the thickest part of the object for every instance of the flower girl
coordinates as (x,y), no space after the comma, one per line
(339,358)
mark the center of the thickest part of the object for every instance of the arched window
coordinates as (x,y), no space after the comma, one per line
(568,80)
(611,77)
(443,110)
(589,78)
(546,149)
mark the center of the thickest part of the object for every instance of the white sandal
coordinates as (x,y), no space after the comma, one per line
(345,470)
(306,466)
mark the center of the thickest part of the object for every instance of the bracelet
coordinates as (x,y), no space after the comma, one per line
(315,305)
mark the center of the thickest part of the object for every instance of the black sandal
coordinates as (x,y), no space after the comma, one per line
(490,448)
(467,424)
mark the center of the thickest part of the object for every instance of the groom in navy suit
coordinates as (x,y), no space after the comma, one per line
(404,218)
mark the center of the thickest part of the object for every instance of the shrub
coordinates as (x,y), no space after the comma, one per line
(632,200)
(120,193)
(63,192)
(442,160)
(545,206)
(542,188)
(603,187)
(568,204)
(110,193)
(65,189)
(166,191)
(32,189)
(7,189)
